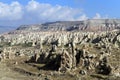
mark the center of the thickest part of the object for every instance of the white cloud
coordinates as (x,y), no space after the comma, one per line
(35,12)
(97,16)
(10,12)
(83,17)
(49,12)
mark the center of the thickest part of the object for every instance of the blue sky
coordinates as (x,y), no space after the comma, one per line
(18,12)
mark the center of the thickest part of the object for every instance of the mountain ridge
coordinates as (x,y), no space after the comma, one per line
(85,25)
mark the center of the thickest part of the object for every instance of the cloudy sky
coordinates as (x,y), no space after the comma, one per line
(18,12)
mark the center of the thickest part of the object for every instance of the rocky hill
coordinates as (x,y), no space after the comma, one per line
(86,25)
(74,50)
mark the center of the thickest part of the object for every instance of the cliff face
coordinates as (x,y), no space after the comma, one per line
(87,25)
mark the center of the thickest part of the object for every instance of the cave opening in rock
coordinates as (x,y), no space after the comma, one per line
(53,64)
(104,69)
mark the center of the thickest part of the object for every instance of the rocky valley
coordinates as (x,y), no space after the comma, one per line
(74,50)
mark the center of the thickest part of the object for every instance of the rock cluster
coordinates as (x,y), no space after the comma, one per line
(67,51)
(72,58)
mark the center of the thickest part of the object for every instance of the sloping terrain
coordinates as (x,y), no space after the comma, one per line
(74,50)
(87,25)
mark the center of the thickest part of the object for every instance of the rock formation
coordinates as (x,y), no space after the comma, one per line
(90,46)
(86,25)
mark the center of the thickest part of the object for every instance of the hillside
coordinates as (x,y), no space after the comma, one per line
(74,50)
(86,25)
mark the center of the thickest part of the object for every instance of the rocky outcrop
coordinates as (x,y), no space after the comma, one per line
(73,58)
(86,25)
(104,67)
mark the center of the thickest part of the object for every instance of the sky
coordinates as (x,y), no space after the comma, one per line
(21,12)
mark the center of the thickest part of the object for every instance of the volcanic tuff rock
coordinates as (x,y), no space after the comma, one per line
(70,57)
(84,47)
(87,25)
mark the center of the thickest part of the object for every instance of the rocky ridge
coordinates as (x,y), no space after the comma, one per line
(86,25)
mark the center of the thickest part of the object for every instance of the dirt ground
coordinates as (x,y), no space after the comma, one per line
(16,69)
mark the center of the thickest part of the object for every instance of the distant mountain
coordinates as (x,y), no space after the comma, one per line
(4,29)
(86,25)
